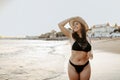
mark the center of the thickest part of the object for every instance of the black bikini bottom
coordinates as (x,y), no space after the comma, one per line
(79,68)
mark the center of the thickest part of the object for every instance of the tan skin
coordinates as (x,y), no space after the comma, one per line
(77,57)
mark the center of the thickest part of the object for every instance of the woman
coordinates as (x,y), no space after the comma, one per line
(79,65)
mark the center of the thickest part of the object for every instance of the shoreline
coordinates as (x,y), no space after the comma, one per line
(57,38)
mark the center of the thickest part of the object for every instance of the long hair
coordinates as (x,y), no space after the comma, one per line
(81,40)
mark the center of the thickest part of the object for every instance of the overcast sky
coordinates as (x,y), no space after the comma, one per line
(34,17)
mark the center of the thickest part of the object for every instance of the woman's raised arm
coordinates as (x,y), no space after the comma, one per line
(63,29)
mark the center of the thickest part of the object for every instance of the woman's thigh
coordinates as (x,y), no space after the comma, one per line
(73,75)
(85,74)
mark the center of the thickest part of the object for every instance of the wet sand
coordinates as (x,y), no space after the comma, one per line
(15,64)
(107,45)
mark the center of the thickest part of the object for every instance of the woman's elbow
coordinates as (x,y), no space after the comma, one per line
(59,25)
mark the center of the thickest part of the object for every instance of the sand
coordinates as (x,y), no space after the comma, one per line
(16,65)
(107,45)
(105,65)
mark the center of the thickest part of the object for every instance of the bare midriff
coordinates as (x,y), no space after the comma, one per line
(79,57)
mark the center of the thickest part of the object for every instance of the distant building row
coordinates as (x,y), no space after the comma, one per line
(104,30)
(96,31)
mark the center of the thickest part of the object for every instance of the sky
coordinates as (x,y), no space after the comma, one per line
(34,17)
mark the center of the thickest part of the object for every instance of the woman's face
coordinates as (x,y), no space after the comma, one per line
(76,26)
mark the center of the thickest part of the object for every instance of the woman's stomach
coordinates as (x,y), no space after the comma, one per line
(79,57)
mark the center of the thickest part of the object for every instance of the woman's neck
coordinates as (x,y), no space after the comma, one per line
(79,34)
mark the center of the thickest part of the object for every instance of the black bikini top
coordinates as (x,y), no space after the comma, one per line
(78,47)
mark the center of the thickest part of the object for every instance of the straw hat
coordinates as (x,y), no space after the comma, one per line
(79,19)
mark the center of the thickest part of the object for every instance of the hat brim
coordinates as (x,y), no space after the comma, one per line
(79,19)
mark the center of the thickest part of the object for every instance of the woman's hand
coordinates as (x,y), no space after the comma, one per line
(90,55)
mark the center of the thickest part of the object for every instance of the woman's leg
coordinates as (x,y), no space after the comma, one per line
(85,74)
(73,75)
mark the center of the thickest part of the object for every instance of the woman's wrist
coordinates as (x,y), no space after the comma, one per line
(67,20)
(64,22)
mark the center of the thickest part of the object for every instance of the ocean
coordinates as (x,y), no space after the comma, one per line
(32,59)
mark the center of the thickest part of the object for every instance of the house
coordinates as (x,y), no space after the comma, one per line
(102,30)
(53,34)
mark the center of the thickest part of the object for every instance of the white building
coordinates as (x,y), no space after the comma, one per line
(102,30)
(53,34)
(117,34)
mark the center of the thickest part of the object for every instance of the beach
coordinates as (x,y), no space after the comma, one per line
(48,60)
(105,65)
